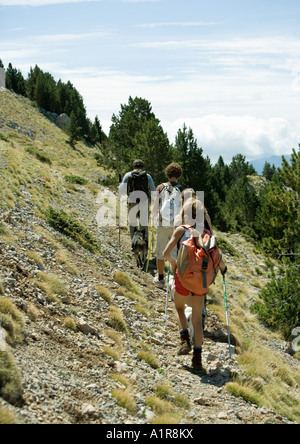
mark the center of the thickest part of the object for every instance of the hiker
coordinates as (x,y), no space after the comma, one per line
(138,181)
(182,295)
(166,206)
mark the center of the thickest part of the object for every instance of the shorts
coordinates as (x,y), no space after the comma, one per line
(179,288)
(164,235)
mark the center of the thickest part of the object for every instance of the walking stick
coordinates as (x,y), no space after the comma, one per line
(227,315)
(120,181)
(150,246)
(166,317)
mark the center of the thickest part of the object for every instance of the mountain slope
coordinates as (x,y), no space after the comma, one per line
(259,164)
(96,347)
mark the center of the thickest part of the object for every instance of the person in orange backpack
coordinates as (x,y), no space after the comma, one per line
(194,271)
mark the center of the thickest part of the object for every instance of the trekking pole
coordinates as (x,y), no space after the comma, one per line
(120,181)
(150,249)
(227,315)
(150,245)
(166,317)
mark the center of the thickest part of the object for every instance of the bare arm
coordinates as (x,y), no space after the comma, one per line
(177,235)
(208,220)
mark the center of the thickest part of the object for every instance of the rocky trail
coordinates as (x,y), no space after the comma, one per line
(99,374)
(95,347)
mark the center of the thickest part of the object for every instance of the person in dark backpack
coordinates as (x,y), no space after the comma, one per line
(166,207)
(138,185)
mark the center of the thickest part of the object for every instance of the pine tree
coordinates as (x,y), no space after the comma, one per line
(222,178)
(239,167)
(278,217)
(98,130)
(134,133)
(31,82)
(152,145)
(74,129)
(280,302)
(269,171)
(15,80)
(197,170)
(278,224)
(190,157)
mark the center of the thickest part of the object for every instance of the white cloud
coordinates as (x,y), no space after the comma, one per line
(51,38)
(40,2)
(238,95)
(226,136)
(226,132)
(259,46)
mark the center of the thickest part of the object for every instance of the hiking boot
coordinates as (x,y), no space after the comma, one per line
(197,362)
(158,283)
(185,346)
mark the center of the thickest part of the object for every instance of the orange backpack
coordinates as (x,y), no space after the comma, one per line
(198,262)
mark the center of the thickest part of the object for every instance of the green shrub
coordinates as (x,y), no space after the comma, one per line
(76,179)
(42,157)
(69,226)
(280,302)
(3,137)
(225,246)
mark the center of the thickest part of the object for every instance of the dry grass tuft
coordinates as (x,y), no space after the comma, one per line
(149,358)
(12,320)
(7,417)
(125,400)
(70,323)
(116,320)
(104,293)
(52,285)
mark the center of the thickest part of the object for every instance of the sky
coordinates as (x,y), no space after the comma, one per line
(228,69)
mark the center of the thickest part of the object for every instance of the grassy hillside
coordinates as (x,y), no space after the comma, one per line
(86,341)
(41,164)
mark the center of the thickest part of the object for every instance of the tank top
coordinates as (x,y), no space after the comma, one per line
(185,237)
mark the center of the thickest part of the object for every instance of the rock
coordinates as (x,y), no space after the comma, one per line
(2,340)
(155,341)
(149,415)
(223,415)
(85,328)
(62,121)
(211,357)
(202,401)
(88,409)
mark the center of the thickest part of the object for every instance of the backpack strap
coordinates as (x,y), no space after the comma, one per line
(186,227)
(204,268)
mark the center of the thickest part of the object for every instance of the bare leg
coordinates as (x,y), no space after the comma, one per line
(160,266)
(198,305)
(180,302)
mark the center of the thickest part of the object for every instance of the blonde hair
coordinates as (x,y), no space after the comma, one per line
(193,211)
